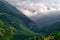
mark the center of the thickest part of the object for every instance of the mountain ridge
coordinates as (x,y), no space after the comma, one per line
(13,11)
(14,25)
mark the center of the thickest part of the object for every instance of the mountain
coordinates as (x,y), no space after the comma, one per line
(13,11)
(14,24)
(54,28)
(48,19)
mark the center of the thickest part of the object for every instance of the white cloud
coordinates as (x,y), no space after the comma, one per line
(28,13)
(40,9)
(53,9)
(58,8)
(32,9)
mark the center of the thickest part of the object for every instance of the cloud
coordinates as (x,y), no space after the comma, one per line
(33,9)
(36,9)
(58,8)
(27,12)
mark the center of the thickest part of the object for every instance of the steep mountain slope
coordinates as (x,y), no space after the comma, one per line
(13,24)
(7,31)
(7,8)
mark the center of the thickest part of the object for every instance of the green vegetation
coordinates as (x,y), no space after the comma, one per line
(13,24)
(16,26)
(8,32)
(52,36)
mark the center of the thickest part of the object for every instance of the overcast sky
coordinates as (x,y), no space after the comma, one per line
(33,8)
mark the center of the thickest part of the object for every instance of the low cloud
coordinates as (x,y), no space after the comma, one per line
(32,9)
